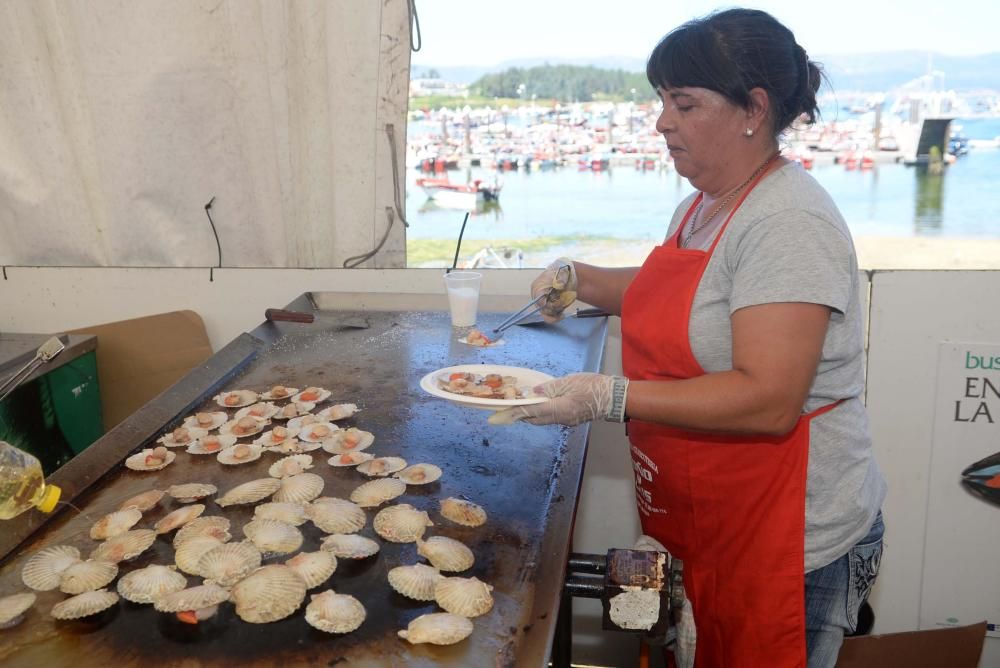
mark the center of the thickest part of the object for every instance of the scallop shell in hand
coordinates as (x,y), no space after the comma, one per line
(189,553)
(468,597)
(419,474)
(87,576)
(178,518)
(191,491)
(333,515)
(43,569)
(236,398)
(263,409)
(128,545)
(241,453)
(289,466)
(349,459)
(338,412)
(193,598)
(84,605)
(335,613)
(301,488)
(463,512)
(151,459)
(314,568)
(446,554)
(416,581)
(244,426)
(313,394)
(282,511)
(115,524)
(437,628)
(214,526)
(227,564)
(318,432)
(349,440)
(377,492)
(273,537)
(206,420)
(148,584)
(249,492)
(380,467)
(350,546)
(401,523)
(143,501)
(268,594)
(13,607)
(182,436)
(211,445)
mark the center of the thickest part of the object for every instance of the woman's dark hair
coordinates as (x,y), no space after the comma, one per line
(734,51)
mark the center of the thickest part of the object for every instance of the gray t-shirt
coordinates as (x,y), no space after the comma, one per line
(788,243)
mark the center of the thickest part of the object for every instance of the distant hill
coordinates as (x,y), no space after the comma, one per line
(847,72)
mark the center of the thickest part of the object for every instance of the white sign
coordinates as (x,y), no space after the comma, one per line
(961,583)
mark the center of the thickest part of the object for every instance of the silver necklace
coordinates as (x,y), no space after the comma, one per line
(697,224)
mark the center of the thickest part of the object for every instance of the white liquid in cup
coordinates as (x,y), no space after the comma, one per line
(463,297)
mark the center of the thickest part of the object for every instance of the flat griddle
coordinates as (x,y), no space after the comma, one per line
(526,477)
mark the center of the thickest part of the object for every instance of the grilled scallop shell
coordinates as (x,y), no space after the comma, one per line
(318,432)
(293,410)
(314,568)
(87,576)
(300,488)
(148,584)
(419,474)
(115,524)
(381,467)
(401,523)
(332,515)
(279,392)
(181,437)
(276,436)
(211,445)
(13,607)
(236,398)
(44,569)
(289,466)
(349,459)
(178,518)
(294,446)
(128,545)
(273,537)
(349,440)
(227,564)
(268,594)
(303,421)
(241,453)
(249,492)
(335,613)
(190,492)
(377,492)
(468,597)
(283,511)
(446,554)
(137,462)
(262,409)
(206,420)
(312,394)
(84,605)
(349,546)
(189,553)
(338,412)
(143,502)
(193,598)
(437,628)
(214,526)
(463,512)
(416,581)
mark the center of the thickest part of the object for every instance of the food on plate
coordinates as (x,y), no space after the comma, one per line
(489,386)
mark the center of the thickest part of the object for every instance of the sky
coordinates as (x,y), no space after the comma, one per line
(472,32)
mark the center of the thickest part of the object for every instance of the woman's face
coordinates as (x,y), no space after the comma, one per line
(703,130)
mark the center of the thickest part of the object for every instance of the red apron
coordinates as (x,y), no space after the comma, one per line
(731,506)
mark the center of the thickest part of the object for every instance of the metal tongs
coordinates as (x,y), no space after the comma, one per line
(530,309)
(44,354)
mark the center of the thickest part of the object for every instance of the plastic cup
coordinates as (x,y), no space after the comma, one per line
(463,296)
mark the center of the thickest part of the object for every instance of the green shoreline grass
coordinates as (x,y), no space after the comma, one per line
(422,252)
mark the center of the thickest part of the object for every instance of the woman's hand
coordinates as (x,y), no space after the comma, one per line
(574,399)
(559,282)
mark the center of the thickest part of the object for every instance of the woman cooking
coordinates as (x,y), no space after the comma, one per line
(742,348)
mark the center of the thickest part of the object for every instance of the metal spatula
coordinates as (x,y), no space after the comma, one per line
(45,353)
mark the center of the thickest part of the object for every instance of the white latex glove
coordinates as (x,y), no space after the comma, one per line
(560,278)
(577,398)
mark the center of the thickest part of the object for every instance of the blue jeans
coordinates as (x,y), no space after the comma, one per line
(834,594)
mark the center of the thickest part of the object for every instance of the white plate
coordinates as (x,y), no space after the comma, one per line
(527,379)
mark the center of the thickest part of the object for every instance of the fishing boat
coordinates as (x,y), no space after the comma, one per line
(458,195)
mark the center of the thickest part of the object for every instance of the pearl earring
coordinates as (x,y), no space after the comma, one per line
(748,132)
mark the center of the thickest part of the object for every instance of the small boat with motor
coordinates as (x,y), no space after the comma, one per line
(457,195)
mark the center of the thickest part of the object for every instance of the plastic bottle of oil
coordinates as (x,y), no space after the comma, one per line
(22,484)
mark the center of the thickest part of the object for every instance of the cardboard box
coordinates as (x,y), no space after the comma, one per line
(138,359)
(958,647)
